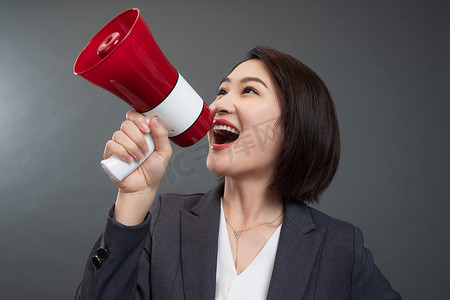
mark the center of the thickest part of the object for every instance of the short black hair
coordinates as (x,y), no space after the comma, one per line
(310,139)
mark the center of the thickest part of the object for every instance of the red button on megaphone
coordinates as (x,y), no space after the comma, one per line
(124,59)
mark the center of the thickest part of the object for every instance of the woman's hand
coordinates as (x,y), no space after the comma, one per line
(137,190)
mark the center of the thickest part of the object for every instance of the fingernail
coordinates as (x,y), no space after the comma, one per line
(139,155)
(128,158)
(156,123)
(145,127)
(145,149)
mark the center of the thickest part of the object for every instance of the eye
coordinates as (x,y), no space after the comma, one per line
(249,90)
(221,92)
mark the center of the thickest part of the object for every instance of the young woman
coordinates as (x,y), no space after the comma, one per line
(275,141)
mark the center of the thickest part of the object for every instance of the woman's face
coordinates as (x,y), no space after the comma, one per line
(244,140)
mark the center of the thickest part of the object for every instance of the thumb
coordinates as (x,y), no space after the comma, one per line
(159,135)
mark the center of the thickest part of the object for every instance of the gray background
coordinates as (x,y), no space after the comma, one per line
(385,62)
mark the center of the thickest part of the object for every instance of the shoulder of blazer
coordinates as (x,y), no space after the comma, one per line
(174,200)
(323,220)
(339,233)
(341,242)
(168,205)
(190,202)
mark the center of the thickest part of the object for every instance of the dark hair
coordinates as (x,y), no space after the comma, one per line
(310,133)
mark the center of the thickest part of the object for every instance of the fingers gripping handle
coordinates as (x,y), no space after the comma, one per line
(118,169)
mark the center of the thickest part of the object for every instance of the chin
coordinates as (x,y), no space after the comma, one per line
(222,166)
(215,167)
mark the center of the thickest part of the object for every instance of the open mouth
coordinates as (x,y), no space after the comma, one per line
(224,134)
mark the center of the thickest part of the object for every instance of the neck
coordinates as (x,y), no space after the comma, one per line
(248,202)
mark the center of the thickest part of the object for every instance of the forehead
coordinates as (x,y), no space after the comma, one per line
(251,68)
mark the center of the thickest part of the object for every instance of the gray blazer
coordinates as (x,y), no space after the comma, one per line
(173,255)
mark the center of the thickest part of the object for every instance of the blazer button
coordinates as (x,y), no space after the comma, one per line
(102,253)
(100,257)
(96,261)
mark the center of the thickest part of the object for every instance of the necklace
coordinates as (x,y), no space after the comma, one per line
(237,233)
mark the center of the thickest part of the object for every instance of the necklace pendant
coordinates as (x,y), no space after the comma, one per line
(237,233)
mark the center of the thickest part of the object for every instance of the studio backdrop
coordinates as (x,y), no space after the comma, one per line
(385,63)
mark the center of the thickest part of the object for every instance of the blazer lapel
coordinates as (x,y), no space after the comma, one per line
(299,243)
(199,242)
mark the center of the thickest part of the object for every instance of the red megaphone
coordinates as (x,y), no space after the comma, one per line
(123,58)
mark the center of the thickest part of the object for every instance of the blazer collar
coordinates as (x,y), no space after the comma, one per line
(199,242)
(299,243)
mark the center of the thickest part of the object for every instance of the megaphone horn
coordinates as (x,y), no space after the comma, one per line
(124,59)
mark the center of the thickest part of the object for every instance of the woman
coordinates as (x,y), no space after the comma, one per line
(275,141)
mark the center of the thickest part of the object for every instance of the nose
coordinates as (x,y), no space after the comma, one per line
(223,105)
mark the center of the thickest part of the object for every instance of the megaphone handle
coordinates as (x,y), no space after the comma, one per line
(118,169)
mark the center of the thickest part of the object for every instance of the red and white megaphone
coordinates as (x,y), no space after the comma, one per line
(123,58)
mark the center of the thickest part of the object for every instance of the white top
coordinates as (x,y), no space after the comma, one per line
(253,282)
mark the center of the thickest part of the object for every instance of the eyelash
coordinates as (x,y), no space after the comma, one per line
(221,92)
(245,90)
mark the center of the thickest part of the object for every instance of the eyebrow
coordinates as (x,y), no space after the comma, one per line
(244,80)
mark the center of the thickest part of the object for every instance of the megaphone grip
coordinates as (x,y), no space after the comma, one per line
(118,169)
(181,111)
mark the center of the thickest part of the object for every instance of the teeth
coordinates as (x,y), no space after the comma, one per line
(224,127)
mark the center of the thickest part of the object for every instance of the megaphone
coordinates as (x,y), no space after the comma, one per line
(124,59)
